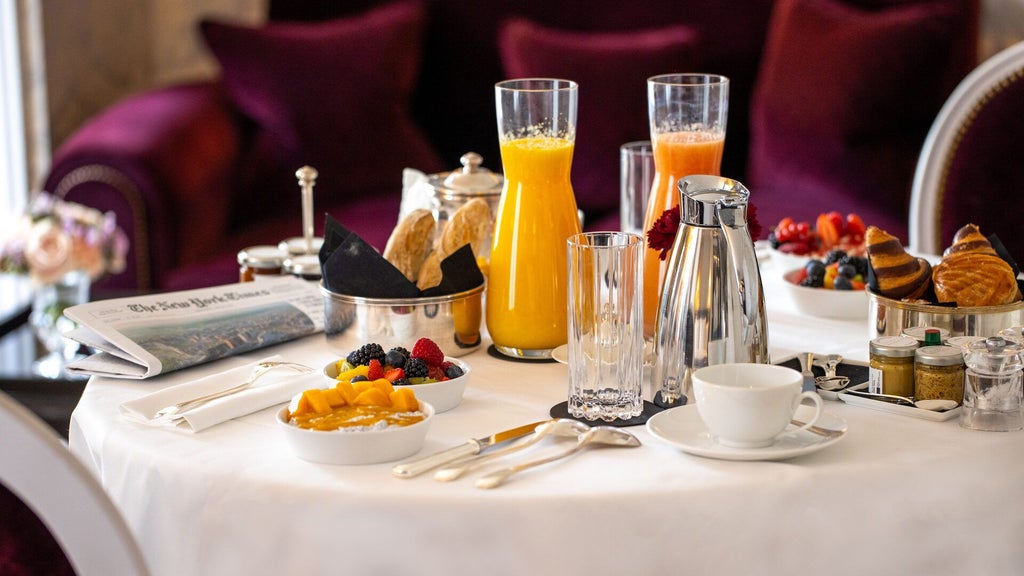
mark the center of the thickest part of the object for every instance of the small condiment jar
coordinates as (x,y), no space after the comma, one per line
(296,245)
(891,366)
(262,260)
(304,266)
(939,373)
(927,335)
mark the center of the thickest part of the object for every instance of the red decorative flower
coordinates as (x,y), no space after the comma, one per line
(662,235)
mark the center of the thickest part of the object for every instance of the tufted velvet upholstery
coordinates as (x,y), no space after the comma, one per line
(195,175)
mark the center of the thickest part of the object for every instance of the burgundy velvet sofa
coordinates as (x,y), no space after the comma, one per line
(830,102)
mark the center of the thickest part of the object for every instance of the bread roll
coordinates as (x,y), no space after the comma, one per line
(970,239)
(430,272)
(898,274)
(470,224)
(410,241)
(974,279)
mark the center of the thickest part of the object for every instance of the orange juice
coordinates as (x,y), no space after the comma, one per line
(527,281)
(676,155)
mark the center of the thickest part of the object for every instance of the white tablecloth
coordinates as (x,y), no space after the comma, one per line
(897,495)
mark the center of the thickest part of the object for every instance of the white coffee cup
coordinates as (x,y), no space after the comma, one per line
(750,405)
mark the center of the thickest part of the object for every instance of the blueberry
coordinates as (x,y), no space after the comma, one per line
(834,255)
(815,268)
(358,378)
(395,358)
(842,283)
(453,371)
(847,270)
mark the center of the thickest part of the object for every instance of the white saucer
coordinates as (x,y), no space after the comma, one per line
(561,353)
(682,427)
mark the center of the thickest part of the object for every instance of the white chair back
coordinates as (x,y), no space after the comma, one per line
(38,468)
(940,147)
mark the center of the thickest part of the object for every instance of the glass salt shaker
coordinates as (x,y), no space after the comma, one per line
(992,391)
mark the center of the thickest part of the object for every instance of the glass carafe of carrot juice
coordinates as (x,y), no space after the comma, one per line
(528,279)
(688,114)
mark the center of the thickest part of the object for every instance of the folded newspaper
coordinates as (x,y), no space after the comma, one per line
(142,336)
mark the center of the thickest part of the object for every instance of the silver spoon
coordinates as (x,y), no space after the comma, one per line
(933,405)
(559,427)
(830,382)
(606,435)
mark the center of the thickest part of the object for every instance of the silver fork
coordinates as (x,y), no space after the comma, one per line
(260,369)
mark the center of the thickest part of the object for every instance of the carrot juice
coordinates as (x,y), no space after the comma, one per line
(676,155)
(527,283)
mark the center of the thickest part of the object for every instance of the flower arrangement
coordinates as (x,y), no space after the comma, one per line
(662,234)
(55,237)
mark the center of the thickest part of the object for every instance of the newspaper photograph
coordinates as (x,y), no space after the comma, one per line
(140,337)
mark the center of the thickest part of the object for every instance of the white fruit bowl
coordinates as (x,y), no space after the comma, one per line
(351,447)
(443,395)
(826,303)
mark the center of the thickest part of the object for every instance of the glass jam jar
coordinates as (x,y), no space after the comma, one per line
(304,266)
(262,260)
(939,373)
(891,366)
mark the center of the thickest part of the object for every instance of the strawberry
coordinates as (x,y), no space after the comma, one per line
(425,349)
(837,221)
(394,374)
(376,370)
(854,225)
(827,231)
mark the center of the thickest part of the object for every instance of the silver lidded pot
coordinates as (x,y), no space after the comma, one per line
(712,304)
(455,188)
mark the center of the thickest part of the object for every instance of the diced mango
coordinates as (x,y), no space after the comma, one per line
(384,385)
(302,406)
(372,397)
(347,392)
(362,386)
(351,373)
(404,399)
(334,398)
(317,400)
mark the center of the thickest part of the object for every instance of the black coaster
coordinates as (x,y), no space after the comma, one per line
(660,401)
(561,410)
(494,352)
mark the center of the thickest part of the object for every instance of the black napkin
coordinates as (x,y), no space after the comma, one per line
(351,266)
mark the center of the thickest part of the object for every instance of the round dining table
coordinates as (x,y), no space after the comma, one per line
(895,495)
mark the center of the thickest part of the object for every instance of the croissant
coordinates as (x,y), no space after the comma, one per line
(974,279)
(970,239)
(899,275)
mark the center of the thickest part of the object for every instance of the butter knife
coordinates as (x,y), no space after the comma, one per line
(471,447)
(806,362)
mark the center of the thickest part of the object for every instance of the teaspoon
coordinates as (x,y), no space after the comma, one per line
(606,435)
(559,427)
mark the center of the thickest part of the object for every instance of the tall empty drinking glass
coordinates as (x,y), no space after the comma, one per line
(527,282)
(606,344)
(636,174)
(688,114)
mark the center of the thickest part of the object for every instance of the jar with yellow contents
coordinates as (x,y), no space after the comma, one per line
(891,367)
(939,373)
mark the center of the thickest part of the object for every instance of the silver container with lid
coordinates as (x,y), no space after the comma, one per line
(453,189)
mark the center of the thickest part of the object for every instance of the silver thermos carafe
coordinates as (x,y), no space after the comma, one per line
(712,306)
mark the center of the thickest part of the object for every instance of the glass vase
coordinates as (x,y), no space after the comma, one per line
(50,324)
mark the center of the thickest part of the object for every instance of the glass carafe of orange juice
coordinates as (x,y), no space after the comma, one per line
(688,114)
(527,284)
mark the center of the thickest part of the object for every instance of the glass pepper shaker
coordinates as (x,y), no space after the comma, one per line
(992,391)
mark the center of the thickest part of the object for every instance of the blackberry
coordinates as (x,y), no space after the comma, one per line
(834,255)
(813,281)
(416,368)
(453,371)
(396,357)
(365,353)
(401,382)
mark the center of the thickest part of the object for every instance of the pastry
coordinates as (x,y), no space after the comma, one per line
(899,275)
(410,241)
(970,239)
(470,224)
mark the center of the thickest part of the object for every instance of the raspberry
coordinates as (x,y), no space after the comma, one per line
(416,368)
(365,353)
(428,351)
(435,372)
(376,370)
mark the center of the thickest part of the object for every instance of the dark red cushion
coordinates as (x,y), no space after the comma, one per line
(332,94)
(611,69)
(843,101)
